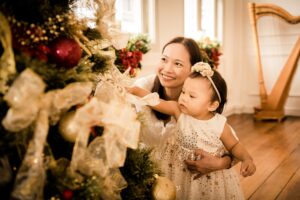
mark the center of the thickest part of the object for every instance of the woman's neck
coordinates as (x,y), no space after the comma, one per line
(172,93)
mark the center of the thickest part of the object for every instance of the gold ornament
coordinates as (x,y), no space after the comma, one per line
(163,189)
(65,127)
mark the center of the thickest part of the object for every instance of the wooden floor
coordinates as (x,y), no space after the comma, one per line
(275,148)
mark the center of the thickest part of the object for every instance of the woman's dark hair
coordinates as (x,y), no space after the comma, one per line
(221,87)
(195,56)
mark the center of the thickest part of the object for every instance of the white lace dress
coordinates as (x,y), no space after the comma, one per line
(193,134)
(171,147)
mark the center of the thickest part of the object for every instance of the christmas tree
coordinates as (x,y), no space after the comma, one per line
(67,128)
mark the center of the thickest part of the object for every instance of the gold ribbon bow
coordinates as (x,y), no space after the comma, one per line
(29,104)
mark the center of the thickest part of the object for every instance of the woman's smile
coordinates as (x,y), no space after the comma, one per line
(167,77)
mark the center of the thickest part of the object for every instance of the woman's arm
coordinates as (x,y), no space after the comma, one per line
(166,107)
(208,163)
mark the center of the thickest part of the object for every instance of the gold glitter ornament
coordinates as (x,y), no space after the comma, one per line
(163,189)
(65,128)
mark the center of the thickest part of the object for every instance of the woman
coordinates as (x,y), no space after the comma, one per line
(177,58)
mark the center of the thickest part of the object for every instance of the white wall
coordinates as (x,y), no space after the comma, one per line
(238,65)
(240,56)
(169,24)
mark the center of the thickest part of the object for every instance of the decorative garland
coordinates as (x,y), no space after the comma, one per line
(129,58)
(213,50)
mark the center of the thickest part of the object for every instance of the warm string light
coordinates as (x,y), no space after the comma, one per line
(42,40)
(30,34)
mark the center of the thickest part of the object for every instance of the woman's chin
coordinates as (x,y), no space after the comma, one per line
(167,82)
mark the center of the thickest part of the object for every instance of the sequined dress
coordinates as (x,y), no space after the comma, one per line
(192,134)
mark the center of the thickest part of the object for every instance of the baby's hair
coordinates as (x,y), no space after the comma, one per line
(221,86)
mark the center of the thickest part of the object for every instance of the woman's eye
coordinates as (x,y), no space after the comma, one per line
(178,64)
(182,92)
(192,96)
(163,59)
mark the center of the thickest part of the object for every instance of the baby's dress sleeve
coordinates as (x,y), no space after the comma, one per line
(153,131)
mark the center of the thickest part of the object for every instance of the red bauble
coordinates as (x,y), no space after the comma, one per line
(65,52)
(67,194)
(41,52)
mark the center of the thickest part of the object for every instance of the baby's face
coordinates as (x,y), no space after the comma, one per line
(195,98)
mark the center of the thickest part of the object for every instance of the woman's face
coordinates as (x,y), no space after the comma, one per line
(174,66)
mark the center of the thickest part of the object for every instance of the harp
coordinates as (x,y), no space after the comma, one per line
(272,105)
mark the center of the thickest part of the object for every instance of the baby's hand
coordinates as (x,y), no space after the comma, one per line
(131,90)
(128,89)
(247,168)
(137,91)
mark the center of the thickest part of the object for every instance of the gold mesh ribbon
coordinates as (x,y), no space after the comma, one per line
(7,60)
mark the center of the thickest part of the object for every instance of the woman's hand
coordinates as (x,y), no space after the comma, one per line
(207,162)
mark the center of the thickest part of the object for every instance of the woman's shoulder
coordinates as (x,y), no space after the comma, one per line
(145,82)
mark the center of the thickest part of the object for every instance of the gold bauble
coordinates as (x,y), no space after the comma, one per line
(65,127)
(163,189)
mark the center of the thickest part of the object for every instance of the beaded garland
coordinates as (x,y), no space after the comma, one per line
(27,34)
(40,40)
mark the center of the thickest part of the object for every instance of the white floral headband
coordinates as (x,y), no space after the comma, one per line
(205,70)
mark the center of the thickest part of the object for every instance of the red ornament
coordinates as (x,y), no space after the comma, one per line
(42,52)
(67,194)
(65,52)
(129,58)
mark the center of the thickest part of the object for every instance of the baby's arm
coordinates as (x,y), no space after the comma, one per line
(237,149)
(166,107)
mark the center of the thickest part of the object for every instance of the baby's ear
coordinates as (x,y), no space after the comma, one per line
(213,106)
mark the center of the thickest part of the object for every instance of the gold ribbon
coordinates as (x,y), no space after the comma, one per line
(102,158)
(7,60)
(109,109)
(28,104)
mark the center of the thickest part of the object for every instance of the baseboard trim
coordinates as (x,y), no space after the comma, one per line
(237,109)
